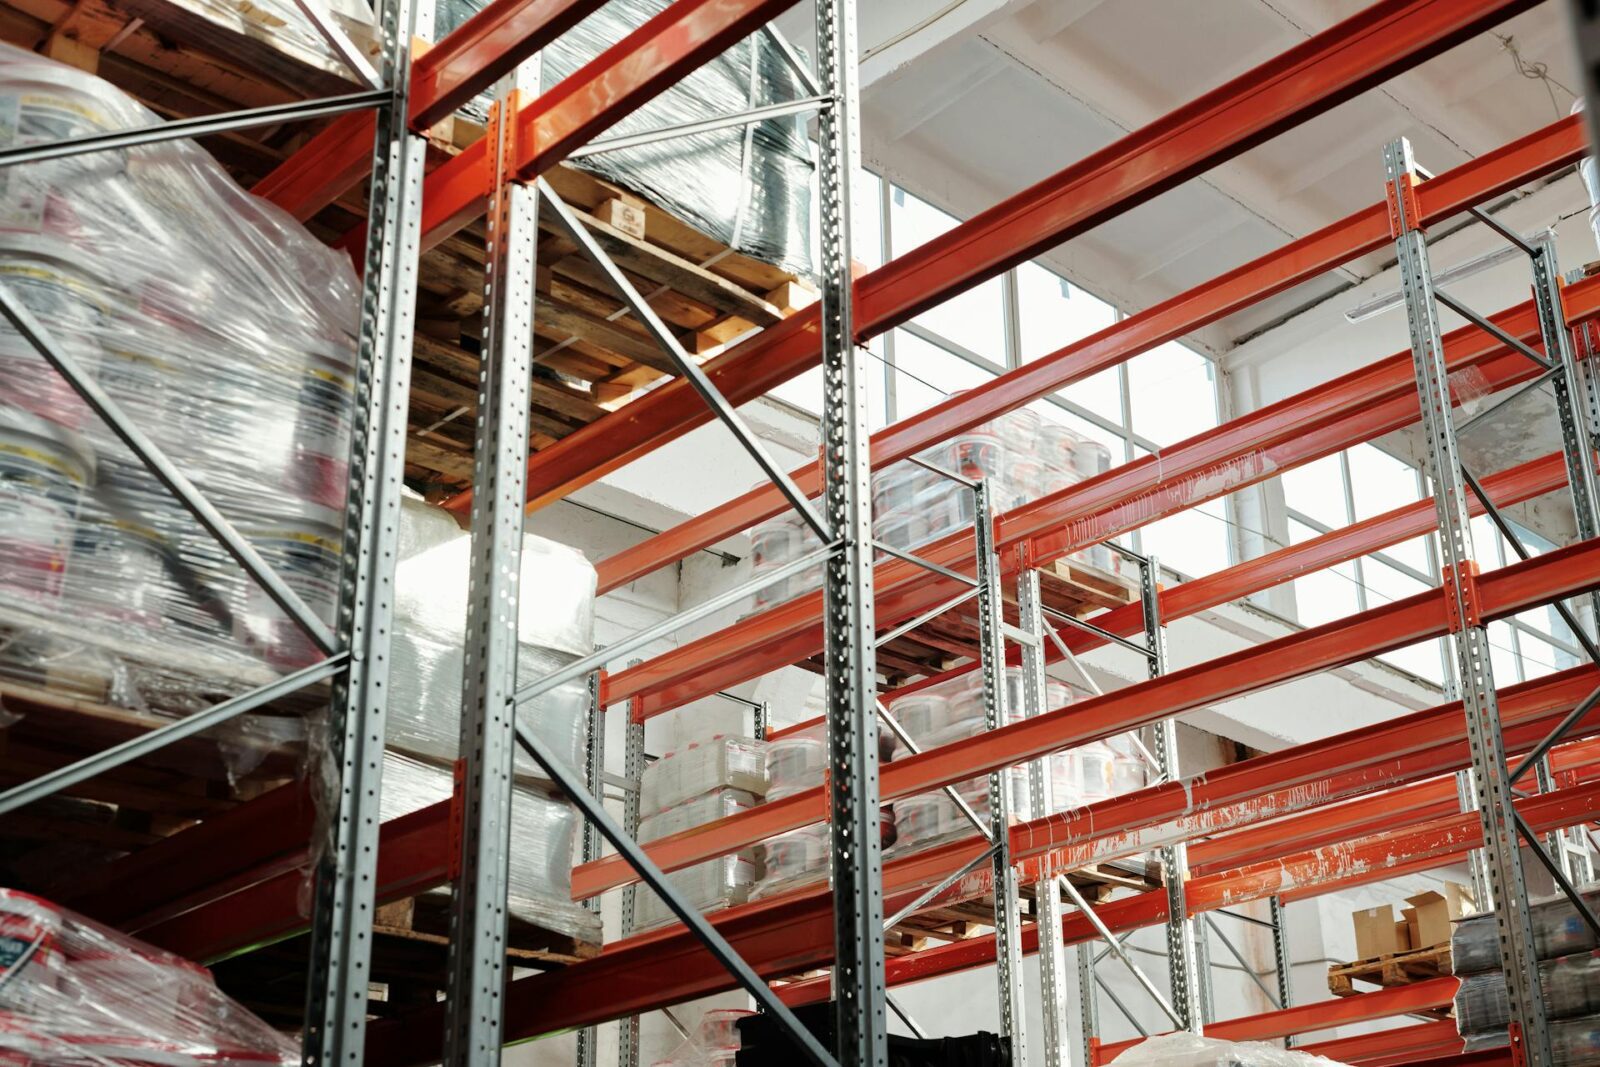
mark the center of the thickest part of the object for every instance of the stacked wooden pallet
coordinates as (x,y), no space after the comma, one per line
(1068,586)
(187,58)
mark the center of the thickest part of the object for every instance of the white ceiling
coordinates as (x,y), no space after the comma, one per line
(967,102)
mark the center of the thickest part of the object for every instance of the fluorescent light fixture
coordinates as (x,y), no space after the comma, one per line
(1379,304)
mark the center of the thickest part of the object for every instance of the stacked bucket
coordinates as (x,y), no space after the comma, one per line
(1023,456)
(224,332)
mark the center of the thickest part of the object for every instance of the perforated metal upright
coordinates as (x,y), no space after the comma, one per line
(1047,897)
(489,668)
(594,752)
(1568,846)
(992,641)
(860,1019)
(633,772)
(1529,1035)
(1187,982)
(344,906)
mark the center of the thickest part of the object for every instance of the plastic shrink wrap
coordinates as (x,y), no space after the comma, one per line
(750,190)
(224,331)
(950,711)
(1573,1042)
(1023,456)
(555,627)
(1571,988)
(542,830)
(76,993)
(795,762)
(1187,1050)
(720,762)
(1558,930)
(715,1042)
(709,886)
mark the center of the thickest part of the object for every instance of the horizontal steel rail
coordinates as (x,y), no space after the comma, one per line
(1304,81)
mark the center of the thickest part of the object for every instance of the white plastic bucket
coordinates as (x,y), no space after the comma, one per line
(44,470)
(320,471)
(301,542)
(796,853)
(795,763)
(922,715)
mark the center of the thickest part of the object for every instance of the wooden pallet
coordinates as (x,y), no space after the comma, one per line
(1067,586)
(1393,969)
(958,920)
(192,57)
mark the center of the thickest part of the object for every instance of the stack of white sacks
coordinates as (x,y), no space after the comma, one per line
(1023,456)
(555,627)
(708,780)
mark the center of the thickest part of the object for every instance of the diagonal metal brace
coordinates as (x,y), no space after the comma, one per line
(595,811)
(662,335)
(166,472)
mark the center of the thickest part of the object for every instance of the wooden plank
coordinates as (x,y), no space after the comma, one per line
(665,268)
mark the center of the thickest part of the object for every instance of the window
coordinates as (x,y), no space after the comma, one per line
(1365,482)
(1133,409)
(1172,393)
(1054,313)
(975,320)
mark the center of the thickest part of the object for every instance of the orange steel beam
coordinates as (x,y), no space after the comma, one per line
(1326,69)
(791,933)
(1352,408)
(1563,572)
(1511,486)
(487,46)
(1324,1015)
(1555,146)
(1295,877)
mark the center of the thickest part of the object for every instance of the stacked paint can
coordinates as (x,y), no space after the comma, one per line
(220,329)
(1024,457)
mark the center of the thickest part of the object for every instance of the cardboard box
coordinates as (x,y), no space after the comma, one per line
(1402,935)
(1432,914)
(1376,931)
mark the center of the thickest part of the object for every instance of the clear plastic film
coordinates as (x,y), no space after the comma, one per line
(752,193)
(941,714)
(555,627)
(1570,986)
(542,830)
(700,767)
(714,1043)
(1023,456)
(1558,930)
(226,333)
(1187,1050)
(709,886)
(1573,1042)
(73,992)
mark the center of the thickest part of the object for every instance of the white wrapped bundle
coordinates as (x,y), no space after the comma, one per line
(542,830)
(226,333)
(556,626)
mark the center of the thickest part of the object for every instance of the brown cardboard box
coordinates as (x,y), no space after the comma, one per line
(1431,914)
(1402,934)
(1375,931)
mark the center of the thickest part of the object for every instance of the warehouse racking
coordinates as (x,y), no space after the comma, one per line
(1380,808)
